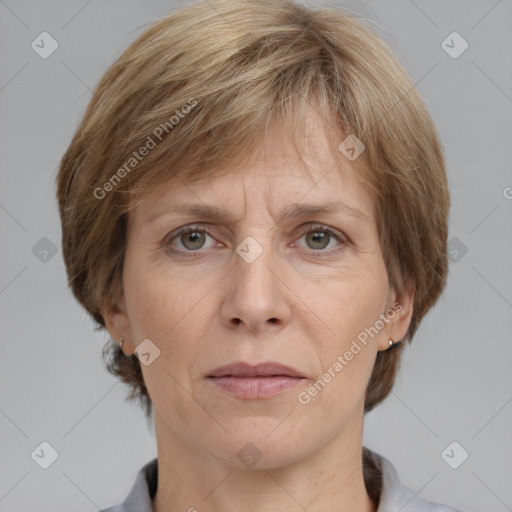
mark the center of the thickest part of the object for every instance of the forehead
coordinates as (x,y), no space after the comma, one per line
(275,175)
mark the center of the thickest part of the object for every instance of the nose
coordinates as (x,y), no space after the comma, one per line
(257,298)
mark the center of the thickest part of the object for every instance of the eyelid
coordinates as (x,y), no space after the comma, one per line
(189,228)
(334,233)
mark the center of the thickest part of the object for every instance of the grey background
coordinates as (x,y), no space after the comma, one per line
(456,381)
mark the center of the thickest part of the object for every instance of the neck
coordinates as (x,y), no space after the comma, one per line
(191,480)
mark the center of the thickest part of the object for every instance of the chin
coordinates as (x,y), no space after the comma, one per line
(262,443)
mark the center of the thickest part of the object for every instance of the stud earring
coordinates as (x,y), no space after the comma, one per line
(393,345)
(121,343)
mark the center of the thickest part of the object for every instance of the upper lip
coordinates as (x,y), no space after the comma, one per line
(243,369)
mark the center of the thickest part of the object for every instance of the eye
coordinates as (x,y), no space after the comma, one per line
(319,237)
(191,238)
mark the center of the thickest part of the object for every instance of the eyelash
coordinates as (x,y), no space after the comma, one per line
(204,228)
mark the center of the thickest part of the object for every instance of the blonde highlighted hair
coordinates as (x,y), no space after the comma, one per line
(198,89)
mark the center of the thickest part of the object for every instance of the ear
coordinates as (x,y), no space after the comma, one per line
(399,312)
(118,323)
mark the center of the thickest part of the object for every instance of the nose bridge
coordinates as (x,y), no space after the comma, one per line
(253,265)
(255,295)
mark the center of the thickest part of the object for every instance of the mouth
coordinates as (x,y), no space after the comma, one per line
(264,380)
(242,369)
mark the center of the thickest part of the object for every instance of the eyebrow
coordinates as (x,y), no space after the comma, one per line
(221,214)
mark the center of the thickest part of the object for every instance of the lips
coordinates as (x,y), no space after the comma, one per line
(245,370)
(263,381)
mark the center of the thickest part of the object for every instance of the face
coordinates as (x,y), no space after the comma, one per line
(256,286)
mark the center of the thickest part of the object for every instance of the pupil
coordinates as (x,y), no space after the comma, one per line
(193,238)
(319,237)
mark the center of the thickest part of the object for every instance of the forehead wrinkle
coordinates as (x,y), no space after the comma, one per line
(272,207)
(267,197)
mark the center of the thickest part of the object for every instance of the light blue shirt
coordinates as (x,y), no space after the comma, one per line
(394,497)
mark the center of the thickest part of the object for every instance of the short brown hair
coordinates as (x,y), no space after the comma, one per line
(198,89)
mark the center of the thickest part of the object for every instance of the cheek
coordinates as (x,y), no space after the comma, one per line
(159,301)
(347,307)
(165,308)
(349,303)
(346,354)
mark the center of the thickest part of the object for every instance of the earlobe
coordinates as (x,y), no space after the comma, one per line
(400,314)
(117,322)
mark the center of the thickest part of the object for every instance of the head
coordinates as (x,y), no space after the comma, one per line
(247,109)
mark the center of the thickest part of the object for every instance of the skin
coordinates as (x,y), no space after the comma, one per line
(216,309)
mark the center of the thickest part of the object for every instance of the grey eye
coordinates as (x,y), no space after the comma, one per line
(193,240)
(319,239)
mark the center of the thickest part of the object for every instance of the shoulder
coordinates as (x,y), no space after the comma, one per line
(395,497)
(142,491)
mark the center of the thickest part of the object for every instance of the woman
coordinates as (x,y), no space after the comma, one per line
(255,207)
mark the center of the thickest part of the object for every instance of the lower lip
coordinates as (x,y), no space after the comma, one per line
(255,387)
